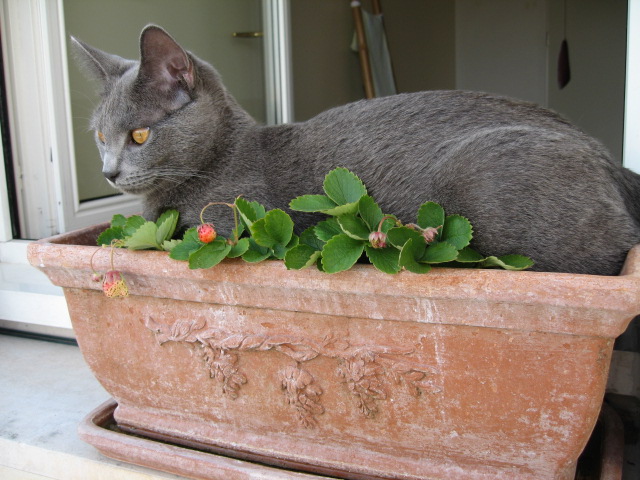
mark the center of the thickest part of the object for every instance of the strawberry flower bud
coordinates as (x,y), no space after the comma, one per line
(207,233)
(114,285)
(430,234)
(378,239)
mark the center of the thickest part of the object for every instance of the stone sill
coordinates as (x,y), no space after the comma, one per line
(47,390)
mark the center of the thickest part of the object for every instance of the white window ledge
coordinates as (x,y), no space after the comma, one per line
(28,300)
(49,390)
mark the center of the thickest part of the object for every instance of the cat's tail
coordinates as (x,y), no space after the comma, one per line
(630,183)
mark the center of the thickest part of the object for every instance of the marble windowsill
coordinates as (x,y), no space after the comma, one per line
(47,389)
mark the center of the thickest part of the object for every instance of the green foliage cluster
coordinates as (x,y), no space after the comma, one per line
(333,245)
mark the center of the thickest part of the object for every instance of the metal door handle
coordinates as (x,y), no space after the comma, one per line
(248,34)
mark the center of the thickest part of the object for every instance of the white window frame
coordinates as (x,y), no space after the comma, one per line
(631,141)
(42,142)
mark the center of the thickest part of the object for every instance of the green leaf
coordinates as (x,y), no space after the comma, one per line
(398,236)
(410,251)
(279,250)
(309,238)
(370,212)
(109,235)
(183,250)
(343,187)
(239,248)
(354,227)
(388,224)
(327,229)
(342,209)
(508,262)
(439,253)
(279,226)
(190,243)
(169,245)
(469,255)
(312,203)
(249,211)
(191,235)
(260,235)
(275,231)
(301,256)
(144,237)
(256,253)
(118,220)
(457,231)
(167,223)
(209,254)
(132,224)
(341,253)
(430,214)
(384,259)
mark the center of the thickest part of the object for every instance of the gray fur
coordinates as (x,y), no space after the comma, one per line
(528,180)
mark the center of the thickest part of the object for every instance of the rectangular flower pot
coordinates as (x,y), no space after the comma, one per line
(459,373)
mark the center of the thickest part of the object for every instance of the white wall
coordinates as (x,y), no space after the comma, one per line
(511,47)
(597,37)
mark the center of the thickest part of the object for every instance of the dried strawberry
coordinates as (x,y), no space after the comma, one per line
(114,285)
(430,234)
(378,239)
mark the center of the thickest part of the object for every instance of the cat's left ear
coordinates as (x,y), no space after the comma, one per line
(163,63)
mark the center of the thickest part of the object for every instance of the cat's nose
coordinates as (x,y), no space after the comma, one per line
(110,167)
(111,174)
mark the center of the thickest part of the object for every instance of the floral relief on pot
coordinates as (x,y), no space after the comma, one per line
(368,371)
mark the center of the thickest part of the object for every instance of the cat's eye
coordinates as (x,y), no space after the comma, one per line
(140,135)
(101,137)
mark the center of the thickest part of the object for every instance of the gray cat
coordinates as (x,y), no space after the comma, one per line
(529,181)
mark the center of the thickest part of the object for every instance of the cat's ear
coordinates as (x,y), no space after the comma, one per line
(98,64)
(163,63)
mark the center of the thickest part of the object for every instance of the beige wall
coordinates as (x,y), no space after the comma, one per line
(421,38)
(595,96)
(508,47)
(326,72)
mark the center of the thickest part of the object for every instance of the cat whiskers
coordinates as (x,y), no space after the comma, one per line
(156,179)
(178,175)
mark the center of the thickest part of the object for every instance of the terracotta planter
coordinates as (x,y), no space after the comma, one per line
(454,374)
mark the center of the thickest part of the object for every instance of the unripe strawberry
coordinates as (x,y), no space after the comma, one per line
(207,233)
(378,239)
(430,234)
(114,285)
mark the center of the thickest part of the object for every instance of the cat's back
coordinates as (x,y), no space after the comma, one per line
(434,125)
(440,110)
(516,170)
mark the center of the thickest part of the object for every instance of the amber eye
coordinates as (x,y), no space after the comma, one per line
(139,135)
(101,137)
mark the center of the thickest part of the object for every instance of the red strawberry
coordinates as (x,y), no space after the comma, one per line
(207,233)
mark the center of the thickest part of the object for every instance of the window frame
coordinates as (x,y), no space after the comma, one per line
(42,143)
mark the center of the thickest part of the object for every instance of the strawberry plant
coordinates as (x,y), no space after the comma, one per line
(356,228)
